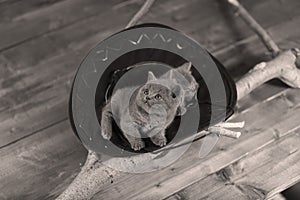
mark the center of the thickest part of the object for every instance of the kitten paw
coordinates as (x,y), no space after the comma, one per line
(137,145)
(159,140)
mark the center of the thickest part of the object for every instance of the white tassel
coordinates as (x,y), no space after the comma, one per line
(231,124)
(220,129)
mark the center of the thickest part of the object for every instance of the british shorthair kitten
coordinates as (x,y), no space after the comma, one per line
(144,111)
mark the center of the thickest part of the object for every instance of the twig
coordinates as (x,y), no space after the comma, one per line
(144,9)
(261,32)
(124,3)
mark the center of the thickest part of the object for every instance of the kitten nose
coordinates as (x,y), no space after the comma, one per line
(147,98)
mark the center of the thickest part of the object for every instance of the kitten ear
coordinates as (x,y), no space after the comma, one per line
(186,66)
(151,76)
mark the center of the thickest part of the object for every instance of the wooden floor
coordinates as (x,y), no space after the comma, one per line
(42,42)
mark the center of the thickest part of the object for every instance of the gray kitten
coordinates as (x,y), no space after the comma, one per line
(183,77)
(142,111)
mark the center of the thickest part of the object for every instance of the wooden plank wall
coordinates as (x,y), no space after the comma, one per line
(43,42)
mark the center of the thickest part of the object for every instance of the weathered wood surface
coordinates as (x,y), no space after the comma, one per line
(36,168)
(42,44)
(257,176)
(190,169)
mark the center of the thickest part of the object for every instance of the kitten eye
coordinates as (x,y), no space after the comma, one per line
(173,95)
(157,96)
(146,92)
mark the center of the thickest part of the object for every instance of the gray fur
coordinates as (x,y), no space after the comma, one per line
(149,111)
(182,76)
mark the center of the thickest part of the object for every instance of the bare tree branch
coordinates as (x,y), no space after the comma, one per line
(143,10)
(252,23)
(282,67)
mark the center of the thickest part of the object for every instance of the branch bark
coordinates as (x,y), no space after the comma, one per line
(282,67)
(91,178)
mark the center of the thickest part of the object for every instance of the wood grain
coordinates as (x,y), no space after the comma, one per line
(42,44)
(39,167)
(255,176)
(33,24)
(9,9)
